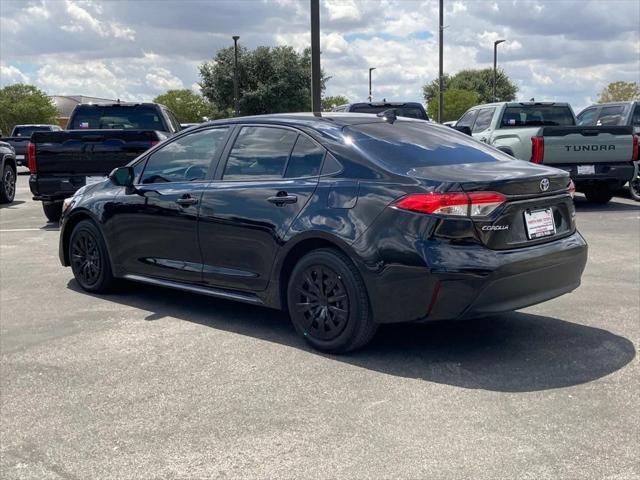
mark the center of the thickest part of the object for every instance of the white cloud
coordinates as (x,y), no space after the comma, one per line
(343,10)
(10,74)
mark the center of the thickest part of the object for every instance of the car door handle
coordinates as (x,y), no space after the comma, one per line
(282,198)
(186,201)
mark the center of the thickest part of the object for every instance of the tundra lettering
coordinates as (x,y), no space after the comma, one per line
(586,148)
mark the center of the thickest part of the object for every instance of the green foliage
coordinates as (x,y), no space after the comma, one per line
(188,107)
(24,104)
(270,79)
(478,81)
(456,102)
(329,102)
(620,92)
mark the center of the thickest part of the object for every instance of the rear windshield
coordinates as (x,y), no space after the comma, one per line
(536,116)
(27,131)
(117,117)
(406,111)
(402,146)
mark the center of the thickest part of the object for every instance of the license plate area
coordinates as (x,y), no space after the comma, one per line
(586,169)
(539,223)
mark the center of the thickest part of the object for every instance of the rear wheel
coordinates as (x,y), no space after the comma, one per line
(52,210)
(89,258)
(8,184)
(599,194)
(634,188)
(328,302)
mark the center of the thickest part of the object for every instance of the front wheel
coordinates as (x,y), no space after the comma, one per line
(8,186)
(600,194)
(328,302)
(89,258)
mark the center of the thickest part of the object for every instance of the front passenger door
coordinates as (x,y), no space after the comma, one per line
(156,230)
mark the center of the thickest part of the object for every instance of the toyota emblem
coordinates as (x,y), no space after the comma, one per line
(544,184)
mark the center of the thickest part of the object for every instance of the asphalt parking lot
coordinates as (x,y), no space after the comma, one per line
(148,383)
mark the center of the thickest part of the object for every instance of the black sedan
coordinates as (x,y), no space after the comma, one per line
(345,220)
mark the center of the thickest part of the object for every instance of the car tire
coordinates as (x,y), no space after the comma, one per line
(634,188)
(52,210)
(328,302)
(89,258)
(8,184)
(600,194)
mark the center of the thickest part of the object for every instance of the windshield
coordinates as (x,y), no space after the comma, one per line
(405,145)
(536,116)
(117,117)
(404,111)
(27,131)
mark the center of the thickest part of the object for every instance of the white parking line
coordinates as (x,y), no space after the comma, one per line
(30,230)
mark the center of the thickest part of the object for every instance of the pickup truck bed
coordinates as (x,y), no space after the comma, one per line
(62,162)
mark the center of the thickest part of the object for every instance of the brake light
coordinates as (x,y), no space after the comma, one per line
(31,157)
(537,149)
(457,204)
(634,156)
(572,188)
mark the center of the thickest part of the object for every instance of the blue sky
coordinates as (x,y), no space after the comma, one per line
(563,50)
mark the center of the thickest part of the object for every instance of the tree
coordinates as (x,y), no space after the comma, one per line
(329,102)
(478,81)
(456,102)
(270,80)
(20,104)
(620,92)
(189,107)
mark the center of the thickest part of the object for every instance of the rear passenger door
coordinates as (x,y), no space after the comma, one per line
(265,178)
(481,127)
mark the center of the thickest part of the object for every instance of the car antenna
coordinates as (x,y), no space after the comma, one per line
(388,116)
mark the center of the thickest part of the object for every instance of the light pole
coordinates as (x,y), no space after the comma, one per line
(495,66)
(440,62)
(236,100)
(316,73)
(371,69)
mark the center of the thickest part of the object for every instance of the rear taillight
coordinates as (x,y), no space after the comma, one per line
(537,149)
(458,204)
(635,155)
(572,188)
(31,158)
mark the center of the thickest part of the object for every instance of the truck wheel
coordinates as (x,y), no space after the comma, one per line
(634,189)
(52,210)
(8,184)
(599,194)
(89,258)
(328,302)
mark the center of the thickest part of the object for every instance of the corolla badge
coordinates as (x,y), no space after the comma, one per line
(493,228)
(544,184)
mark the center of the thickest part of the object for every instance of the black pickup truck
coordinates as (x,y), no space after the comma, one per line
(20,136)
(99,138)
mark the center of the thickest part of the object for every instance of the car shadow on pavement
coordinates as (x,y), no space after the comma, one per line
(13,204)
(516,352)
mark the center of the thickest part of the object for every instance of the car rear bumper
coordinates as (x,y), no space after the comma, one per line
(615,173)
(471,281)
(52,188)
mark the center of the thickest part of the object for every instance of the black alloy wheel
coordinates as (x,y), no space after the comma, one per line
(634,188)
(8,185)
(328,302)
(89,258)
(322,302)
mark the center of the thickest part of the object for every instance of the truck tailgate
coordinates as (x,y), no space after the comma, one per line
(88,152)
(587,145)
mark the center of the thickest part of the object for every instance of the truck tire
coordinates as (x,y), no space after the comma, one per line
(634,188)
(52,210)
(600,194)
(8,184)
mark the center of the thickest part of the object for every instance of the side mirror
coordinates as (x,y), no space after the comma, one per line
(465,130)
(122,176)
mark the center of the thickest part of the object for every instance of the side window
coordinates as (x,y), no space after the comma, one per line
(483,120)
(259,153)
(305,160)
(186,159)
(613,115)
(467,119)
(635,119)
(588,117)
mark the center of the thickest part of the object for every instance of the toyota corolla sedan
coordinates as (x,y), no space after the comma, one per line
(346,221)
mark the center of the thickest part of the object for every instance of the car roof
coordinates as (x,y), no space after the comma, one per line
(118,104)
(308,119)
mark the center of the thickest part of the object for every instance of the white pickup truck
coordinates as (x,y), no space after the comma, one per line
(598,158)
